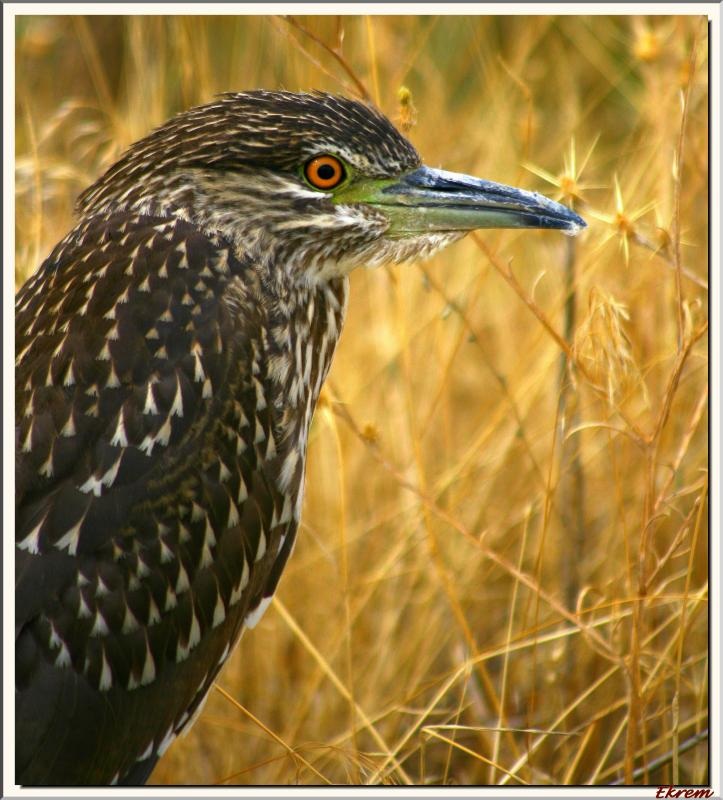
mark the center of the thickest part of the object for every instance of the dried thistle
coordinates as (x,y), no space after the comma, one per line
(602,346)
(370,433)
(407,117)
(647,46)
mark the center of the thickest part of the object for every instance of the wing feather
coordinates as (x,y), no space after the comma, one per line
(145,496)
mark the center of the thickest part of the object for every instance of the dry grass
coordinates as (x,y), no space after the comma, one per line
(501,575)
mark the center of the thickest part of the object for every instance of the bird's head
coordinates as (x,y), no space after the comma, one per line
(315,183)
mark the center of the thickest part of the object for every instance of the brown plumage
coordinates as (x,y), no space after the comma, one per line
(170,352)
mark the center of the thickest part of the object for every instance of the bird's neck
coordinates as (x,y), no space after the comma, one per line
(305,325)
(304,322)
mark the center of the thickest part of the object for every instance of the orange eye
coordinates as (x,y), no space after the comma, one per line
(324,172)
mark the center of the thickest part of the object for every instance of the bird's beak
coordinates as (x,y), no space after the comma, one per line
(428,200)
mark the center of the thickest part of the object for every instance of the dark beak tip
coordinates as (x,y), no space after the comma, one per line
(574,226)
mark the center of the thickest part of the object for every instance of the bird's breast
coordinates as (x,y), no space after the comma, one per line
(300,343)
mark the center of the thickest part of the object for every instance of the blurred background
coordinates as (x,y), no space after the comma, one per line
(501,573)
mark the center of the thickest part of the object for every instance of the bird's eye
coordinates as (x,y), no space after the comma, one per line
(324,172)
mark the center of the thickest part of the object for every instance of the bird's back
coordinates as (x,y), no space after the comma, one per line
(159,472)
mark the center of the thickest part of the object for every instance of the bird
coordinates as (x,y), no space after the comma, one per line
(169,355)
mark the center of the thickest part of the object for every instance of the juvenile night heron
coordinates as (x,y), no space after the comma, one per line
(170,352)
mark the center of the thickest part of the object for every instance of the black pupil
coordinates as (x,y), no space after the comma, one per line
(326,172)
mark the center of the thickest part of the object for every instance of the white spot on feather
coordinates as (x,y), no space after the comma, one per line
(119,437)
(209,537)
(185,726)
(182,583)
(69,541)
(154,615)
(206,556)
(28,441)
(285,511)
(198,373)
(166,742)
(147,444)
(22,353)
(233,516)
(54,640)
(150,406)
(166,553)
(84,611)
(194,636)
(170,600)
(243,582)
(130,623)
(142,569)
(69,375)
(182,651)
(260,396)
(149,668)
(68,429)
(110,475)
(46,469)
(183,263)
(184,534)
(164,434)
(106,676)
(220,263)
(261,549)
(146,753)
(100,626)
(31,541)
(177,407)
(287,470)
(219,612)
(112,382)
(252,619)
(63,658)
(92,485)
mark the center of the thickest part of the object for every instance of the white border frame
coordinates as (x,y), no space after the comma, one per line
(10,11)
